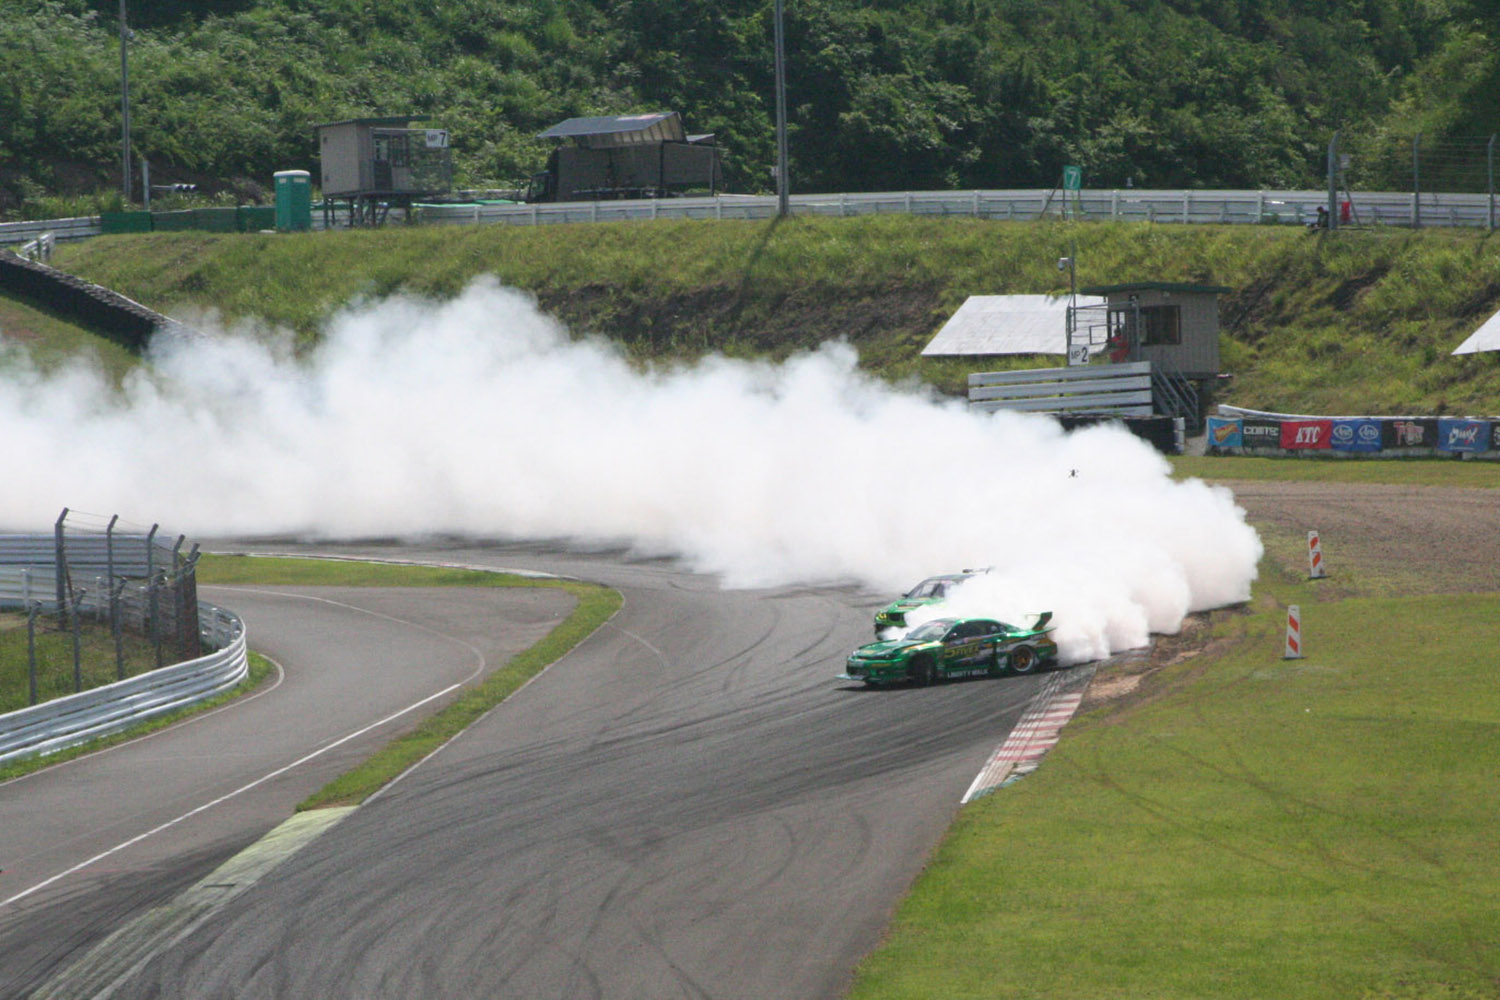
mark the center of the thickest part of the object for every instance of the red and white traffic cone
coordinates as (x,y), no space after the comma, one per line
(1293,649)
(1315,568)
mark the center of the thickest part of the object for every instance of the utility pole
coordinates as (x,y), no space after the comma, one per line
(124,106)
(783,182)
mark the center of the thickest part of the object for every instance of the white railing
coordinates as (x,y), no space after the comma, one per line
(1367,208)
(77,718)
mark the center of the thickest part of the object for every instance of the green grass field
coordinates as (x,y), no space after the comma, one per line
(53,646)
(1242,825)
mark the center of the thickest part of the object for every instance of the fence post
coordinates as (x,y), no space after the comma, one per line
(1416,181)
(1489,161)
(31,649)
(1333,184)
(154,632)
(77,643)
(60,559)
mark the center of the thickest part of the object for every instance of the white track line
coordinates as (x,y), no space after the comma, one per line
(223,798)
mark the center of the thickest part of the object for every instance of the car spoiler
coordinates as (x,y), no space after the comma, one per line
(1042,620)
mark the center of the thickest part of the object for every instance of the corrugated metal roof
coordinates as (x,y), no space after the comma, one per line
(666,126)
(1486,338)
(1007,324)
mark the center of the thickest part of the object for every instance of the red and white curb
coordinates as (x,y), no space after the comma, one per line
(1036,732)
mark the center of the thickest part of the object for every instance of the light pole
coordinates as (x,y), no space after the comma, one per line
(124,106)
(783,185)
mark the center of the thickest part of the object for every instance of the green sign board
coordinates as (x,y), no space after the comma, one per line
(1072,178)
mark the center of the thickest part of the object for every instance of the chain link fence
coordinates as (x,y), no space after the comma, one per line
(97,575)
(1431,170)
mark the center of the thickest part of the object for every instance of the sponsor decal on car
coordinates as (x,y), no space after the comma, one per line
(1306,434)
(1356,435)
(1225,433)
(1463,435)
(1409,432)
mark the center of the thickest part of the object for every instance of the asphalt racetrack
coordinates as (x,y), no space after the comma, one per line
(688,805)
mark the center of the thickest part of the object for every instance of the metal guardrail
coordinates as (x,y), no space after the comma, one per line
(61,229)
(1268,207)
(77,718)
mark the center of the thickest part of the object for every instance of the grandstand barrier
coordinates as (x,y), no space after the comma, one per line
(1238,431)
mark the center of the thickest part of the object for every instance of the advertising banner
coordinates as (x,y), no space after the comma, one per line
(1409,432)
(1260,433)
(1224,433)
(1356,435)
(1495,437)
(1301,435)
(1463,435)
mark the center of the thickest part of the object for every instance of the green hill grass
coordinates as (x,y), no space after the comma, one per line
(50,339)
(1247,826)
(1354,322)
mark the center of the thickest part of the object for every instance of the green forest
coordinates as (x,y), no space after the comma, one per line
(886,95)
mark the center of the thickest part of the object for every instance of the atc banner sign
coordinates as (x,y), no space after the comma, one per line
(1463,435)
(1224,433)
(1356,435)
(1303,435)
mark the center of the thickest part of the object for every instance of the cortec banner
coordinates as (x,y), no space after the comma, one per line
(1304,434)
(1463,435)
(1223,433)
(1409,432)
(1356,435)
(1260,433)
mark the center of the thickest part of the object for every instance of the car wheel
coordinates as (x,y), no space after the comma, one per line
(1022,660)
(921,671)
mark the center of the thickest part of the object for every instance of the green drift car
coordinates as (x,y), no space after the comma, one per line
(954,647)
(933,590)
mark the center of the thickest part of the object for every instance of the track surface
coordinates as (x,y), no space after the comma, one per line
(687,806)
(351,657)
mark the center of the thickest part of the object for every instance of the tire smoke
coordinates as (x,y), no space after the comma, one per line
(481,416)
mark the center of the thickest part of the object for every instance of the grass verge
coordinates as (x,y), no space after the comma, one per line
(260,669)
(1241,826)
(596,605)
(1395,472)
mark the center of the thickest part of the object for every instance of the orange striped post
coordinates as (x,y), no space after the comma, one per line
(1293,650)
(1315,568)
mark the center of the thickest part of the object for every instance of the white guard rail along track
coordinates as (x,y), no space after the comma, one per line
(77,718)
(1263,207)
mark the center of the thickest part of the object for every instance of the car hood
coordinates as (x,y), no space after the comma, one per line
(887,648)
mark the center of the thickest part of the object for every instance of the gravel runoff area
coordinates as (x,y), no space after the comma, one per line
(1376,540)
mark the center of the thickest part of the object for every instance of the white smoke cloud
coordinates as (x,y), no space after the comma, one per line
(481,416)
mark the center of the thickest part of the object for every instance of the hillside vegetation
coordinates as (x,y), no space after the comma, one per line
(904,94)
(1354,322)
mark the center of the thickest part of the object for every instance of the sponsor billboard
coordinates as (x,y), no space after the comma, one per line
(1301,435)
(1356,435)
(1409,432)
(1463,435)
(1260,433)
(1495,436)
(1224,433)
